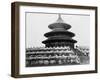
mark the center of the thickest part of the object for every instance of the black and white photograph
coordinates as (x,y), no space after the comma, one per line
(57,39)
(52,39)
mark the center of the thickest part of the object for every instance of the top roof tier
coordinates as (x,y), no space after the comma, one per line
(59,24)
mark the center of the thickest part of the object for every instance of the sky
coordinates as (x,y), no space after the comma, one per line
(37,26)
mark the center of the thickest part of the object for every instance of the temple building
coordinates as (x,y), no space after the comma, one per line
(59,48)
(59,36)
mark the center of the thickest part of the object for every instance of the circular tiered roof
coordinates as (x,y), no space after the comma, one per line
(59,36)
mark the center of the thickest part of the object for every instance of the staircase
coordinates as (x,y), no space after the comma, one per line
(83,59)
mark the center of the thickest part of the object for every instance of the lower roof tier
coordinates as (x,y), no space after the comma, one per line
(59,32)
(51,40)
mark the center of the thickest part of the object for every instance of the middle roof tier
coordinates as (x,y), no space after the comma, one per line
(59,32)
